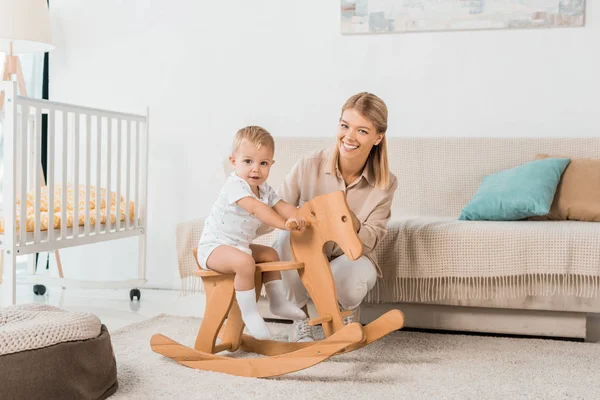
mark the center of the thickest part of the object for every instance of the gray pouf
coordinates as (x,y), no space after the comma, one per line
(50,353)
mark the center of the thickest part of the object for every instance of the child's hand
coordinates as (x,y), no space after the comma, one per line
(296,223)
(302,222)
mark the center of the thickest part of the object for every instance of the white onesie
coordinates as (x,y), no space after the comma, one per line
(228,223)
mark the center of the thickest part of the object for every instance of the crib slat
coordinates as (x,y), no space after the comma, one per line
(11,166)
(127,177)
(76,177)
(30,151)
(144,196)
(18,141)
(37,172)
(88,151)
(65,167)
(144,200)
(98,169)
(119,141)
(24,175)
(108,174)
(136,201)
(50,158)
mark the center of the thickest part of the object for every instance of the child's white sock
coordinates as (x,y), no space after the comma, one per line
(278,302)
(256,324)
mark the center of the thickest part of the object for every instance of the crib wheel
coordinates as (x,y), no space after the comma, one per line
(39,289)
(135,293)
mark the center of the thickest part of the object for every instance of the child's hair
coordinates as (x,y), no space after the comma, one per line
(254,135)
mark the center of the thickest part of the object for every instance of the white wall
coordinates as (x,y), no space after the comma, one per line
(207,68)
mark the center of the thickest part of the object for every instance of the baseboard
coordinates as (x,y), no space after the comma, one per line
(559,324)
(484,320)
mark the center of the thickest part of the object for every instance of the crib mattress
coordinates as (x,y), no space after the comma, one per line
(55,215)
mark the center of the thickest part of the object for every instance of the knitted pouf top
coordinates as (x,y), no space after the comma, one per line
(34,326)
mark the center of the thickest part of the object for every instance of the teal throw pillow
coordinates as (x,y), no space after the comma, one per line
(517,193)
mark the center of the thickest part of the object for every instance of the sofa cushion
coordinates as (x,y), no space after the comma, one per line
(516,193)
(578,193)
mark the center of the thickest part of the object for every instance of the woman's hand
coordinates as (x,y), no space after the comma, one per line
(296,223)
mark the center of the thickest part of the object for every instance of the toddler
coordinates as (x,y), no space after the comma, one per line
(245,202)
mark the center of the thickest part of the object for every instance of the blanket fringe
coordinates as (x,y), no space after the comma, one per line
(462,288)
(191,285)
(477,288)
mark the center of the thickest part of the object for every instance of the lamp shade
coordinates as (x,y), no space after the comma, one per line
(25,23)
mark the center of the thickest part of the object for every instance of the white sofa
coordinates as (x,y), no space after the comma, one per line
(521,277)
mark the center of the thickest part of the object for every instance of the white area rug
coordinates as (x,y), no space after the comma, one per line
(408,365)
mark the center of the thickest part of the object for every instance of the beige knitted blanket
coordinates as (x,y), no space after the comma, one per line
(34,326)
(437,258)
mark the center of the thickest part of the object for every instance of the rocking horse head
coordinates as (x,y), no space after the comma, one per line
(330,220)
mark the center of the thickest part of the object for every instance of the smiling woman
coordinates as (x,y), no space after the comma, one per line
(357,165)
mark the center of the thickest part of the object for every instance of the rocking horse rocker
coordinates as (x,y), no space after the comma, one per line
(329,220)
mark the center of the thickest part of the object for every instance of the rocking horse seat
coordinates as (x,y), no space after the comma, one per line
(260,267)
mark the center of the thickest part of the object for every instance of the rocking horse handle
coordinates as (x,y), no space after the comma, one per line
(294,225)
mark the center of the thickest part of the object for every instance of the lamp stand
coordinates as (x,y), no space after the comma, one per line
(12,66)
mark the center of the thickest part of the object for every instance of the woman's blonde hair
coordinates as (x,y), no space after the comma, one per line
(254,135)
(375,110)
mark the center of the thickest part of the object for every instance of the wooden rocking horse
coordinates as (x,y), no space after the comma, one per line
(329,219)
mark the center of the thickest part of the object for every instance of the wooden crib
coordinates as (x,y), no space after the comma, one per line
(96,189)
